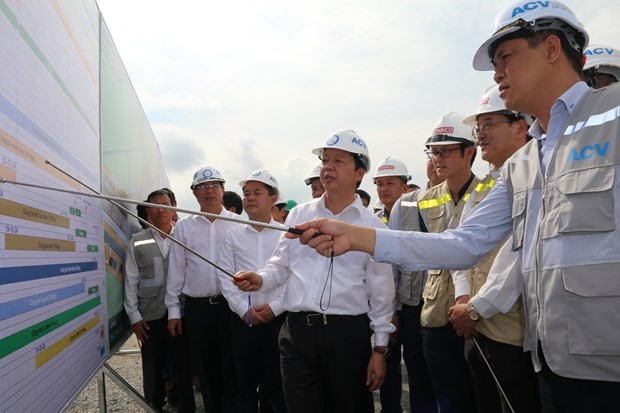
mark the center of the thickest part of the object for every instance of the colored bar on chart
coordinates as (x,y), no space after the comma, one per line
(53,350)
(32,214)
(16,242)
(26,336)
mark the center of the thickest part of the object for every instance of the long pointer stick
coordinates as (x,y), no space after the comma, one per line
(148,204)
(115,201)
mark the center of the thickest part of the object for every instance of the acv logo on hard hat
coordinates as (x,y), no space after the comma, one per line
(333,140)
(207,173)
(256,173)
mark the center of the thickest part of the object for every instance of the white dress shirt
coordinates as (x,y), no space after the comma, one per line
(188,273)
(132,274)
(247,249)
(358,284)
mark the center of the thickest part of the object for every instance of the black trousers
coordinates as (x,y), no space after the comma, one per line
(257,364)
(565,395)
(514,371)
(444,354)
(324,366)
(155,352)
(207,325)
(421,394)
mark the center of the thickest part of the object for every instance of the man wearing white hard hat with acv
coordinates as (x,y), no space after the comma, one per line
(558,195)
(602,66)
(328,363)
(206,321)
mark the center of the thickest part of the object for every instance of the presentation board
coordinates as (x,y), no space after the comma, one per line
(69,119)
(53,318)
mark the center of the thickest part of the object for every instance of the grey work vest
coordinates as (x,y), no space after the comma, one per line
(439,213)
(566,228)
(153,272)
(409,288)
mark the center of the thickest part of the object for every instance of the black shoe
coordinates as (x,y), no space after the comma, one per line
(172,397)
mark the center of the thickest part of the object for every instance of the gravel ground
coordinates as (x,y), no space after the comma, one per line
(129,367)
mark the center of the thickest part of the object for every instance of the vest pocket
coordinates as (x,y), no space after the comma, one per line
(586,201)
(592,300)
(436,221)
(518,219)
(438,297)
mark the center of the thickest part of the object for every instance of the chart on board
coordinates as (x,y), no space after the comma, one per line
(53,320)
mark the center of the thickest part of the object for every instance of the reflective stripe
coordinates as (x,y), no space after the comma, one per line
(432,203)
(143,242)
(485,187)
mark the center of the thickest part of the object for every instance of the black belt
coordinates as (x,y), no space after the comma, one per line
(213,300)
(318,319)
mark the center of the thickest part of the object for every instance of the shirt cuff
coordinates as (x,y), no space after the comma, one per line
(276,307)
(382,339)
(134,317)
(385,246)
(484,308)
(174,313)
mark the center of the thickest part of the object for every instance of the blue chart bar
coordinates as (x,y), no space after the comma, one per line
(25,304)
(10,275)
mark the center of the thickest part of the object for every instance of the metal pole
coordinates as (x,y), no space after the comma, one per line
(499,386)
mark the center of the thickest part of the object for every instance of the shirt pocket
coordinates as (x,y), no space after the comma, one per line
(519,201)
(592,299)
(586,201)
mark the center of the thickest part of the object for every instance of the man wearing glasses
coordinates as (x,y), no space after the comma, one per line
(452,150)
(206,321)
(493,319)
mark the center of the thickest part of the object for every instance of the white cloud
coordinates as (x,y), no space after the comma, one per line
(244,85)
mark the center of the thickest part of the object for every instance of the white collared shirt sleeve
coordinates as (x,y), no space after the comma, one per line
(132,278)
(454,249)
(233,295)
(460,279)
(504,283)
(246,249)
(176,274)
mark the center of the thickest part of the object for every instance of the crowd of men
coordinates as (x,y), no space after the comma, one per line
(498,292)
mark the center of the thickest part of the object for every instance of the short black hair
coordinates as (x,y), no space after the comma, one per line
(141,210)
(233,200)
(363,194)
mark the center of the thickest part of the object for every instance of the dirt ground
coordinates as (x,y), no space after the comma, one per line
(129,367)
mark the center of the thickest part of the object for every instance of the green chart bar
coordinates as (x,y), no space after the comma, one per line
(24,337)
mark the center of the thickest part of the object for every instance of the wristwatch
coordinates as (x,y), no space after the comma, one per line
(383,350)
(472,313)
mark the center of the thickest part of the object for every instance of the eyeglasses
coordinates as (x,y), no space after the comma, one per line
(204,187)
(444,152)
(478,129)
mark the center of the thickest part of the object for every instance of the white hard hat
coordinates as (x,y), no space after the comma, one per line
(391,167)
(281,200)
(315,173)
(349,141)
(531,16)
(490,102)
(450,130)
(604,59)
(206,173)
(263,176)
